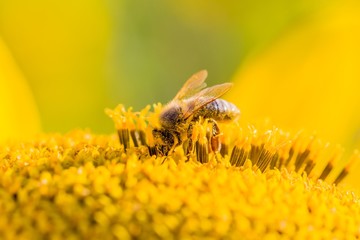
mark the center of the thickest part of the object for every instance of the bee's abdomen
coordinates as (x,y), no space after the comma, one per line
(219,110)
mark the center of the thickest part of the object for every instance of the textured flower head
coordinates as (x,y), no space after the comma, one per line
(261,184)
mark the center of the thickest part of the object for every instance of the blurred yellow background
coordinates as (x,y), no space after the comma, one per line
(79,57)
(295,62)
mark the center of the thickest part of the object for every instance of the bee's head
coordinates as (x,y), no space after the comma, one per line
(171,116)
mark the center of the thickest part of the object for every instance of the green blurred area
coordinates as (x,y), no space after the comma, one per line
(80,57)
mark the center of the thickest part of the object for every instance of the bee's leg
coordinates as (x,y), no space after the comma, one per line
(173,140)
(152,150)
(187,146)
(157,149)
(214,139)
(164,141)
(188,142)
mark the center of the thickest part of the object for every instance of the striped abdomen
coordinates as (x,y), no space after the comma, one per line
(219,110)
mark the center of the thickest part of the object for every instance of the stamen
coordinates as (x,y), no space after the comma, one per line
(338,151)
(274,161)
(224,149)
(135,138)
(264,160)
(329,167)
(355,157)
(202,152)
(300,159)
(254,153)
(239,154)
(124,138)
(309,166)
(243,156)
(235,156)
(142,137)
(290,156)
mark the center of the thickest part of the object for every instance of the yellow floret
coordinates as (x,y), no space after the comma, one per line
(85,186)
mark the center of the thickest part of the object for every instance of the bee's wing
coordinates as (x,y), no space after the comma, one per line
(193,85)
(204,97)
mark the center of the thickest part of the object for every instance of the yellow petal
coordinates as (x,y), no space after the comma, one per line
(309,79)
(18,113)
(63,49)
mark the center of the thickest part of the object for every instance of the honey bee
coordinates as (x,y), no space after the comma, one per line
(193,101)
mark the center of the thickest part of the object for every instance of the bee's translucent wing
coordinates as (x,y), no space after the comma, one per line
(193,85)
(204,97)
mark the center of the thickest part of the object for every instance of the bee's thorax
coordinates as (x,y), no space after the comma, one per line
(171,116)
